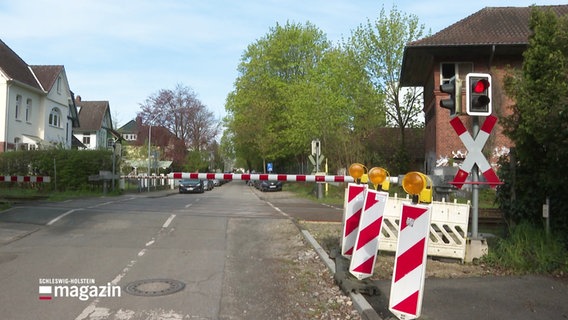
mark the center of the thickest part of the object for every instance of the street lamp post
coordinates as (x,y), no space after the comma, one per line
(149,148)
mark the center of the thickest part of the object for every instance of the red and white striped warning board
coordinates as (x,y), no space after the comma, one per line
(474,155)
(261,177)
(25,179)
(410,261)
(367,242)
(354,197)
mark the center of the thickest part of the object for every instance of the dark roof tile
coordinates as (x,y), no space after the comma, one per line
(47,75)
(16,68)
(91,114)
(491,25)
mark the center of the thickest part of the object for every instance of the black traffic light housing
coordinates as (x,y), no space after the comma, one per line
(453,88)
(478,94)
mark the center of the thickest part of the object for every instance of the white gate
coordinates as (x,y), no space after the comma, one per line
(448,228)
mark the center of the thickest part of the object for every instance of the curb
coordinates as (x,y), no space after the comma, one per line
(363,307)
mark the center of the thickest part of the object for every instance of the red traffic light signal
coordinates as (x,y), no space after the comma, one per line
(478,94)
(453,88)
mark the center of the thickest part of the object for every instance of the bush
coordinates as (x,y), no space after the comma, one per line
(68,169)
(528,249)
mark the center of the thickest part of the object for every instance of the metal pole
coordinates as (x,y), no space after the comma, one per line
(149,139)
(475,188)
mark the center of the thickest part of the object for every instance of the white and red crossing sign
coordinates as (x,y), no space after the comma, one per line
(364,254)
(409,272)
(474,155)
(25,179)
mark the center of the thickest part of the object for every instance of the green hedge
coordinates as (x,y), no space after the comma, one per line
(68,169)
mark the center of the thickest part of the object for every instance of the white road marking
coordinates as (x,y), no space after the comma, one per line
(62,216)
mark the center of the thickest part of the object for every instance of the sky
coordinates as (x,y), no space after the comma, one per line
(125,51)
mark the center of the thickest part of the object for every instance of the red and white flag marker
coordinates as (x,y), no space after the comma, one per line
(354,198)
(474,155)
(409,272)
(364,254)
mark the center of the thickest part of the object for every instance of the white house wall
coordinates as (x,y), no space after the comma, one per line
(62,134)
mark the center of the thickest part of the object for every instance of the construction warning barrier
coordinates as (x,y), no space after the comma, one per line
(448,228)
(25,179)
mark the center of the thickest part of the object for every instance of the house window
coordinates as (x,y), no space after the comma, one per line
(450,69)
(28,110)
(87,140)
(59,85)
(55,118)
(18,106)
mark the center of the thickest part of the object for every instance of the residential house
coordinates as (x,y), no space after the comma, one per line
(96,124)
(37,108)
(129,131)
(488,41)
(165,147)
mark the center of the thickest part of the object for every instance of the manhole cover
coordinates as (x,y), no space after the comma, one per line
(154,287)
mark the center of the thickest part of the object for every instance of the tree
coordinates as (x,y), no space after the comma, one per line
(181,112)
(538,125)
(293,87)
(380,44)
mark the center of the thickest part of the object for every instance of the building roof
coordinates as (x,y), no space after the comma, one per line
(47,75)
(91,114)
(490,31)
(130,127)
(15,68)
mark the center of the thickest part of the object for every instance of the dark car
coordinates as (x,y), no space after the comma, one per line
(191,186)
(270,186)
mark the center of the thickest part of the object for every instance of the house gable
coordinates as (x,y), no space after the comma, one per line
(95,121)
(34,113)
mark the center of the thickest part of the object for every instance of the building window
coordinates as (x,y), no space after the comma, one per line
(55,118)
(450,69)
(28,110)
(18,106)
(87,140)
(59,85)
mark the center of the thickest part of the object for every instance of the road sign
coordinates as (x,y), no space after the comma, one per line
(269,167)
(354,197)
(367,242)
(474,155)
(409,272)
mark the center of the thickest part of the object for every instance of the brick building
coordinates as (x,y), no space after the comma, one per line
(488,41)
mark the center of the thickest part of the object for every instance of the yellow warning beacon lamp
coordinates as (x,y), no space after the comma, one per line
(357,171)
(419,186)
(379,177)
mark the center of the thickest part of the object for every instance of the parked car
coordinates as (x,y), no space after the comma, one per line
(209,185)
(191,186)
(270,186)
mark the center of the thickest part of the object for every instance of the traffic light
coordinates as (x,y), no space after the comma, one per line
(453,88)
(478,94)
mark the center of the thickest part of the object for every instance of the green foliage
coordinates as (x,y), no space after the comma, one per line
(196,161)
(529,250)
(538,126)
(68,169)
(293,87)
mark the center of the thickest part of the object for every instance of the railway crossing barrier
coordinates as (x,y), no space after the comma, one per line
(36,179)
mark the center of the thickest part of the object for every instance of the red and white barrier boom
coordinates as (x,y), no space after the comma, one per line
(259,177)
(25,179)
(409,272)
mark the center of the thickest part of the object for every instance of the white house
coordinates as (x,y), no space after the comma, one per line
(37,107)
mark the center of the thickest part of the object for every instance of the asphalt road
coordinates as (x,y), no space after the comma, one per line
(153,244)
